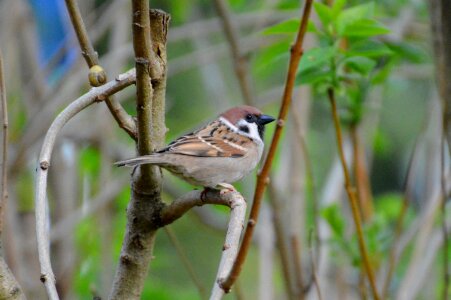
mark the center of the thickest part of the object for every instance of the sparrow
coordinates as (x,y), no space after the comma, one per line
(216,155)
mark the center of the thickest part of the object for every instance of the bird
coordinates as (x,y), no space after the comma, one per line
(216,155)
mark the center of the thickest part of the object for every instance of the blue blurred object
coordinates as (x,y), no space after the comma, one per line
(54,35)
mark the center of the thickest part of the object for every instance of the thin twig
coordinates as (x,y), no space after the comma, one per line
(297,260)
(4,192)
(97,75)
(310,177)
(363,191)
(240,62)
(184,258)
(42,234)
(262,179)
(285,261)
(314,274)
(444,196)
(237,204)
(352,197)
(392,261)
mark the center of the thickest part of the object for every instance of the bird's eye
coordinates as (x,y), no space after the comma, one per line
(249,118)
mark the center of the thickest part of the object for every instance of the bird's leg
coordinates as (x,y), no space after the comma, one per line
(225,188)
(203,194)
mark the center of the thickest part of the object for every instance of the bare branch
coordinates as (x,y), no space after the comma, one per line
(350,190)
(9,287)
(143,213)
(236,202)
(95,94)
(4,191)
(240,62)
(262,180)
(97,75)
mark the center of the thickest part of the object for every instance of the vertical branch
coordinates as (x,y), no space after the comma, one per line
(441,30)
(362,184)
(262,179)
(97,75)
(143,212)
(275,203)
(4,193)
(441,33)
(240,62)
(9,287)
(444,197)
(314,273)
(352,197)
(392,260)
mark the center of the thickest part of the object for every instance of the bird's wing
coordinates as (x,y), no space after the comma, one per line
(214,140)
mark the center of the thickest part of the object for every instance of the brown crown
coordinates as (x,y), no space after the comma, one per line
(234,114)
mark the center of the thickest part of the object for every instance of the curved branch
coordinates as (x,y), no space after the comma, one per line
(97,75)
(237,204)
(42,234)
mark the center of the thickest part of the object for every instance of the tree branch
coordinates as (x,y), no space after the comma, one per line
(4,191)
(262,179)
(97,75)
(240,62)
(143,212)
(9,287)
(350,190)
(42,234)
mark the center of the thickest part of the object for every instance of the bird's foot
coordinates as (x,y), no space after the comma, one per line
(225,188)
(203,194)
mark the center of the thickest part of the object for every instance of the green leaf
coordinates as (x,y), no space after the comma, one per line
(368,48)
(89,160)
(365,28)
(352,15)
(316,57)
(360,64)
(272,54)
(311,27)
(313,76)
(334,217)
(286,27)
(324,13)
(338,6)
(409,52)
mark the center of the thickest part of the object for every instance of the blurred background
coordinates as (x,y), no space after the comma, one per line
(391,117)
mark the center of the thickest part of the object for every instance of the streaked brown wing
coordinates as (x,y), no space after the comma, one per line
(213,140)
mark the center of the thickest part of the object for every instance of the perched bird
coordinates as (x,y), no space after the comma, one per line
(216,155)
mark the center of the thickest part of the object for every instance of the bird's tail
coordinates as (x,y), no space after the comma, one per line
(141,160)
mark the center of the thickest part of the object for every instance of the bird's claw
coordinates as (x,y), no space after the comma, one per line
(225,188)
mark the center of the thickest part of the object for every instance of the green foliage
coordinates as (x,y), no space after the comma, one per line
(90,161)
(349,55)
(378,231)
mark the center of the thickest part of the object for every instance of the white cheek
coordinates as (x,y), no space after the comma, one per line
(253,130)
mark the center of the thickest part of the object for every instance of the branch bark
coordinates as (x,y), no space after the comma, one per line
(350,190)
(97,75)
(9,287)
(440,12)
(143,212)
(237,204)
(262,179)
(240,62)
(95,94)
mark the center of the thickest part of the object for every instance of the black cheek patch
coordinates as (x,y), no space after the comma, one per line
(244,128)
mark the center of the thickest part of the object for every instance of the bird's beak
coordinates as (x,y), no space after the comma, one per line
(265,119)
